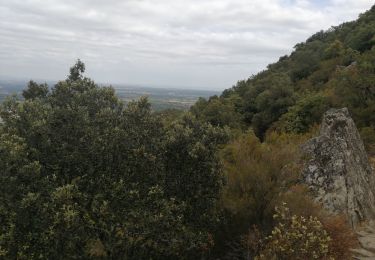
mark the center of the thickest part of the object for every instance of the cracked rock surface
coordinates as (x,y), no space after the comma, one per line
(366,238)
(338,171)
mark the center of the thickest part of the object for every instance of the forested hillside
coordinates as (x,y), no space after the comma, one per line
(86,176)
(333,68)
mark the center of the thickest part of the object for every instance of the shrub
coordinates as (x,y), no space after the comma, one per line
(256,174)
(342,237)
(368,137)
(295,237)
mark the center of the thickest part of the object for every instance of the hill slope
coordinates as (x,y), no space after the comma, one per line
(333,68)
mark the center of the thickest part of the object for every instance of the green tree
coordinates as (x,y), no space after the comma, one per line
(193,171)
(76,71)
(35,90)
(89,177)
(304,114)
(272,102)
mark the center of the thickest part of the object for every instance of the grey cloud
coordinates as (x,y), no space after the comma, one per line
(210,43)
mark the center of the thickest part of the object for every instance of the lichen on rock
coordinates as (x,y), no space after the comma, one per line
(338,171)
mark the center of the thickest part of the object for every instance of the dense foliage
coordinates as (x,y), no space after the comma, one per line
(295,237)
(271,113)
(333,68)
(85,176)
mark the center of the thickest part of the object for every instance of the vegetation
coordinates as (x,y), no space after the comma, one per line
(257,174)
(282,107)
(295,237)
(86,176)
(333,68)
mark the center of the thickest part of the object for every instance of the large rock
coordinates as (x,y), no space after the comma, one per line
(338,171)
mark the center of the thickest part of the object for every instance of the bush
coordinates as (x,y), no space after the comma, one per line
(295,237)
(84,175)
(300,203)
(304,114)
(368,137)
(256,174)
(342,236)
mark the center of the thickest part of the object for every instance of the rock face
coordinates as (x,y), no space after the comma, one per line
(338,172)
(366,239)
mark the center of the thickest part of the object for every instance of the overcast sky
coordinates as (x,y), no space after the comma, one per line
(174,43)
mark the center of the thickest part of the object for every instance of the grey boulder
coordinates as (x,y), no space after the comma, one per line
(338,171)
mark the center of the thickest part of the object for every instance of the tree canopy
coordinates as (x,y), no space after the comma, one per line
(86,176)
(333,68)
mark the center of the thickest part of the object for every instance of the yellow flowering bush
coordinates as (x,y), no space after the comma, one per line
(295,237)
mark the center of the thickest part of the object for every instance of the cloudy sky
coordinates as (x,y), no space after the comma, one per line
(174,43)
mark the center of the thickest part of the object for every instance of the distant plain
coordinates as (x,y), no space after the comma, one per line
(160,97)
